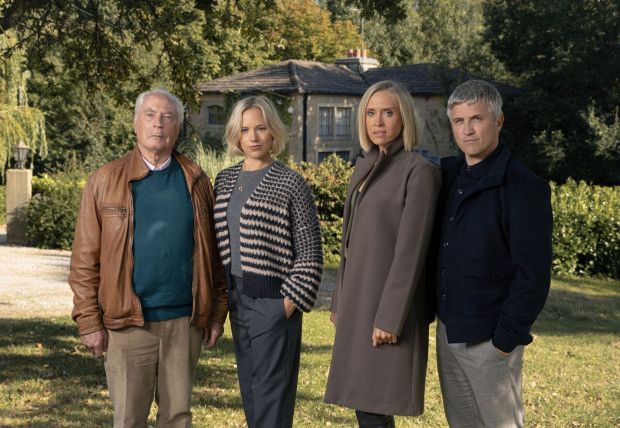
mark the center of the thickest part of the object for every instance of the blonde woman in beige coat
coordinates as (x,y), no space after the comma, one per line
(379,303)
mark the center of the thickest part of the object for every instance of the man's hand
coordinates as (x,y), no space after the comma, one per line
(502,353)
(96,342)
(379,337)
(332,318)
(210,334)
(289,307)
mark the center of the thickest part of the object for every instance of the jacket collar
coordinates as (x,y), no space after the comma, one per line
(494,177)
(137,169)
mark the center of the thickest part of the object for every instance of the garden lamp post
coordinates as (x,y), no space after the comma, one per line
(20,153)
(18,193)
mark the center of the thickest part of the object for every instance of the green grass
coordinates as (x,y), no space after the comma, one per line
(571,375)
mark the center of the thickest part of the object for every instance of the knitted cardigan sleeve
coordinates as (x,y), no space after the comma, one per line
(304,278)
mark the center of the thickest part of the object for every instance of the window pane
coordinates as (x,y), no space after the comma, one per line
(216,115)
(325,121)
(343,121)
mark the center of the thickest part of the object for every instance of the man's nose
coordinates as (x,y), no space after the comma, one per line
(468,129)
(158,121)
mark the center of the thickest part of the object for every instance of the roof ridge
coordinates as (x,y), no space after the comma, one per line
(295,80)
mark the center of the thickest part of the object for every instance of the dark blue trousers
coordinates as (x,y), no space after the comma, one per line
(267,347)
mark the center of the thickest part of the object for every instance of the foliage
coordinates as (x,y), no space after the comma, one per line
(328,182)
(2,204)
(442,32)
(567,57)
(305,32)
(211,161)
(571,370)
(18,122)
(101,42)
(586,235)
(52,211)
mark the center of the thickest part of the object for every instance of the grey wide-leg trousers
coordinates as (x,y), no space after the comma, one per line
(267,347)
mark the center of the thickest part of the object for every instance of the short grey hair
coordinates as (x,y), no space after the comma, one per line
(178,105)
(476,91)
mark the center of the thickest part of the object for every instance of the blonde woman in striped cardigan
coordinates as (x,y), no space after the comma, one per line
(268,237)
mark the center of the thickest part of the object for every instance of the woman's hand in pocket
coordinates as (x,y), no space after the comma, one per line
(289,307)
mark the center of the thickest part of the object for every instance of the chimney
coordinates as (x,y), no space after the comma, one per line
(358,61)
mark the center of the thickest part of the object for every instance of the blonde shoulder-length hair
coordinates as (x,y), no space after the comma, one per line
(232,134)
(410,131)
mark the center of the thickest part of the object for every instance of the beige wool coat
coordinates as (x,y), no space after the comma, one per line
(382,283)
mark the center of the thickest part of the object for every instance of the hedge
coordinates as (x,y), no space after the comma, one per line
(586,234)
(52,211)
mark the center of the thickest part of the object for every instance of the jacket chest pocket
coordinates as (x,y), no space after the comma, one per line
(113,211)
(113,221)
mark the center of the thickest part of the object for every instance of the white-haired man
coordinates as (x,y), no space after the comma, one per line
(147,281)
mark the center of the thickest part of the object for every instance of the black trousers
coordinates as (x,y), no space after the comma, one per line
(267,348)
(374,420)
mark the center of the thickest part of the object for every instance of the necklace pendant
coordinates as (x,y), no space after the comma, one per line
(241,188)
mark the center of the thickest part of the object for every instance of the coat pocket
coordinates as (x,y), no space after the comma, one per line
(486,284)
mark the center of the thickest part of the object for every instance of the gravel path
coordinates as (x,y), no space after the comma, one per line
(33,282)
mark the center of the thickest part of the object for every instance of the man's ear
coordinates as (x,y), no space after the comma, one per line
(500,121)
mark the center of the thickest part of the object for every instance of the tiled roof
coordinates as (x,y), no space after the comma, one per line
(319,78)
(426,79)
(419,79)
(292,76)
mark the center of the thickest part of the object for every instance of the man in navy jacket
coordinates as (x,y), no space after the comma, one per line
(491,260)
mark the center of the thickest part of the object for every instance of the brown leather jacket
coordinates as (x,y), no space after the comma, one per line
(102,258)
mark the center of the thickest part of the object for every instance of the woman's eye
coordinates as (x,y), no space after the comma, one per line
(370,113)
(244,130)
(389,114)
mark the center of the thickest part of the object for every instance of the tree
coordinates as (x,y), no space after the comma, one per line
(442,32)
(567,56)
(302,30)
(18,121)
(100,40)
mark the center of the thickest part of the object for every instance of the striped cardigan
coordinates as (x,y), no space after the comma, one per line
(280,239)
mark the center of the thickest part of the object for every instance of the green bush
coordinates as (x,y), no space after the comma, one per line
(52,211)
(586,233)
(2,204)
(328,181)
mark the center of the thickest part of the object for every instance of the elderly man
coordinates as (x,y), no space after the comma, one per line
(492,261)
(147,281)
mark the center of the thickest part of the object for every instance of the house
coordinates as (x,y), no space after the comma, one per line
(322,100)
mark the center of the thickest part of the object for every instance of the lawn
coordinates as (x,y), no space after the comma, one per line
(572,371)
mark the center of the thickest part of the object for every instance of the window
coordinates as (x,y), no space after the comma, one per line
(216,115)
(343,121)
(343,154)
(335,121)
(325,121)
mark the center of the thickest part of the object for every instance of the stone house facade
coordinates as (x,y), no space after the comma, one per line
(322,100)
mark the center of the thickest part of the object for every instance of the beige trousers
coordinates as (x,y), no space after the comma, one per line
(158,359)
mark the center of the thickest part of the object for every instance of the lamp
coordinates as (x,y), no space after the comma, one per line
(20,153)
